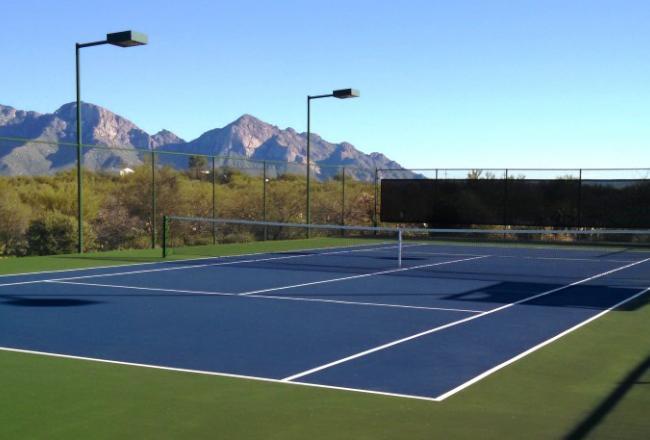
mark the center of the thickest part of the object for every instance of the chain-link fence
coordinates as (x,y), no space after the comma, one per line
(126,192)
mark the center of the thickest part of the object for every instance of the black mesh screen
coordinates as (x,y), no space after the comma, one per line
(615,203)
(470,201)
(543,202)
(517,202)
(408,200)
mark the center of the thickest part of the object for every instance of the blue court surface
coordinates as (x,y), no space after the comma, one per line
(348,319)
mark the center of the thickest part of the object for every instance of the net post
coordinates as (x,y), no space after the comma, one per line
(399,248)
(165,236)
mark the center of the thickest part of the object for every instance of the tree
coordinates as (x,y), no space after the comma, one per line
(117,228)
(56,233)
(14,219)
(197,164)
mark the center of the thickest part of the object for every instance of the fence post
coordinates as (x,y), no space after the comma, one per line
(580,200)
(505,205)
(435,198)
(264,201)
(376,196)
(505,201)
(153,200)
(343,200)
(214,200)
(343,197)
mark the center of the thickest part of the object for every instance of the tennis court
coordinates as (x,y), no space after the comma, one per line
(361,311)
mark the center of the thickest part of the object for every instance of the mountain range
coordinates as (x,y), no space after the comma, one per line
(247,137)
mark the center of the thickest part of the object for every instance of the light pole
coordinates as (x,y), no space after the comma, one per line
(341,94)
(122,39)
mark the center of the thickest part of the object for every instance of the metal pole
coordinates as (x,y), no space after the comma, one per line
(153,200)
(376,195)
(264,202)
(580,200)
(435,198)
(79,159)
(505,201)
(309,98)
(505,205)
(165,235)
(343,202)
(308,163)
(399,248)
(343,199)
(214,201)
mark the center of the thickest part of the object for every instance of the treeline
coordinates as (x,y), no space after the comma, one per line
(38,215)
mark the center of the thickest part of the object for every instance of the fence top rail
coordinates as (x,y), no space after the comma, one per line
(422,230)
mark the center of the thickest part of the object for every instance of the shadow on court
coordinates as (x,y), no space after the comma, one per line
(17,301)
(395,291)
(579,296)
(639,376)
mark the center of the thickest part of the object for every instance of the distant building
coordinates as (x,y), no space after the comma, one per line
(125,171)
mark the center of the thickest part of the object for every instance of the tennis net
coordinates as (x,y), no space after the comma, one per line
(347,248)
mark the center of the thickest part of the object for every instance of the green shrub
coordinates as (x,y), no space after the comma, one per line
(14,219)
(56,233)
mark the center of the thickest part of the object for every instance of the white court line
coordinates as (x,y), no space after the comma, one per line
(20,283)
(211,373)
(383,272)
(452,324)
(175,261)
(537,347)
(222,263)
(280,298)
(196,292)
(284,382)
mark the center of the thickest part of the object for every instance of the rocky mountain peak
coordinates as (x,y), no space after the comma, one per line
(246,137)
(9,115)
(165,137)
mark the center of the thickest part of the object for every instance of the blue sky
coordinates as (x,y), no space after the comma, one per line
(546,83)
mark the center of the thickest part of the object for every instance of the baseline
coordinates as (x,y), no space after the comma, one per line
(210,373)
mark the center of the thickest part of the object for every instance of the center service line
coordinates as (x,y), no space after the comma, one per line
(383,272)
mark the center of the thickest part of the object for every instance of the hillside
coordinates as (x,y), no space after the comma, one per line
(247,137)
